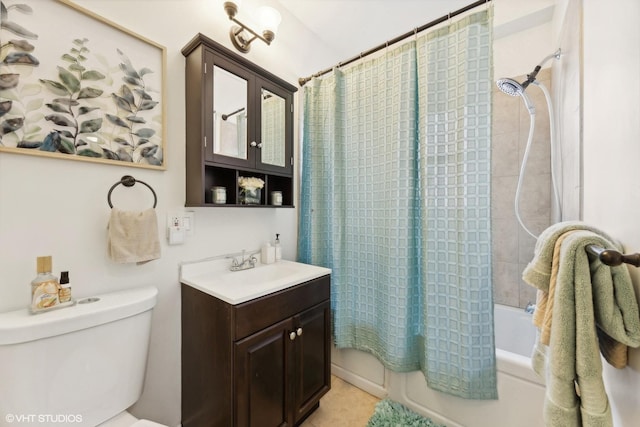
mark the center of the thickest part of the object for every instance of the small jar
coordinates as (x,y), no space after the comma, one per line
(276,198)
(219,195)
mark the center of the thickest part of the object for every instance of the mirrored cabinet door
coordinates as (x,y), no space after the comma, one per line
(272,150)
(229,114)
(228,125)
(276,121)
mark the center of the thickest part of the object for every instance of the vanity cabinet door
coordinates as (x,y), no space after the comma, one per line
(311,358)
(262,369)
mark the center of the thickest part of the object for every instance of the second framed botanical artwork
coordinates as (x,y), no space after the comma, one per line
(74,85)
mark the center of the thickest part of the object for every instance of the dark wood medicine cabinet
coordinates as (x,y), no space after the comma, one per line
(239,124)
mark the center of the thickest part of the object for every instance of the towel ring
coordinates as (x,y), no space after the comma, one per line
(129,181)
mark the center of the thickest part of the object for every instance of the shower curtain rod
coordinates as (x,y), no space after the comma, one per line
(303,80)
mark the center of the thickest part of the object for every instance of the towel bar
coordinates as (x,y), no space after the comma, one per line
(129,181)
(612,257)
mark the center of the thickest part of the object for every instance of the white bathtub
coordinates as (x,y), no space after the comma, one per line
(520,391)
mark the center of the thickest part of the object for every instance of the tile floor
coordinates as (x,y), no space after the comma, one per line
(344,406)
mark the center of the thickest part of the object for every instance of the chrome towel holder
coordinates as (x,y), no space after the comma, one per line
(612,257)
(129,181)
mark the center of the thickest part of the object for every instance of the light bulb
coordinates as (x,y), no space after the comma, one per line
(269,18)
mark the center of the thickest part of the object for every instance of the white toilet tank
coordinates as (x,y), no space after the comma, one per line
(76,366)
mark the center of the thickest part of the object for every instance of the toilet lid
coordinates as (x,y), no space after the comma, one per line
(147,423)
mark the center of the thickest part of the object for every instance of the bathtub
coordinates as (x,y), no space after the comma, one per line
(520,391)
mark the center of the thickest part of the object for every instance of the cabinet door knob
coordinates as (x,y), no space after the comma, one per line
(292,336)
(253,143)
(260,145)
(299,331)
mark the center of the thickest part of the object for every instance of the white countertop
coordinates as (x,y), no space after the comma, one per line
(214,278)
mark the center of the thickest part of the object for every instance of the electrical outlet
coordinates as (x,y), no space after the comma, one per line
(174,220)
(183,220)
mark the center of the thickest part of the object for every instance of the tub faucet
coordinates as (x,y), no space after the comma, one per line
(243,263)
(530,308)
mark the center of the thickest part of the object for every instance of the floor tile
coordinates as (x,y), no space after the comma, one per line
(344,405)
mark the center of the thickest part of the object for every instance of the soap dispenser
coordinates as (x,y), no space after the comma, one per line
(278,249)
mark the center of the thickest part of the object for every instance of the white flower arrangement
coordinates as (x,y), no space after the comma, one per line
(250,182)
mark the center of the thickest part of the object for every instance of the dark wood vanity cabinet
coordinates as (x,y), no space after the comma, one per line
(239,123)
(265,362)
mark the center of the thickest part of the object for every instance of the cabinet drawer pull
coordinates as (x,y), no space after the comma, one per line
(292,336)
(299,331)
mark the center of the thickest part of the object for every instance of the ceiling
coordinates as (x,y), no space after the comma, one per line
(342,29)
(349,27)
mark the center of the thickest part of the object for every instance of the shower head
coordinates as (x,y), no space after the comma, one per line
(510,87)
(513,88)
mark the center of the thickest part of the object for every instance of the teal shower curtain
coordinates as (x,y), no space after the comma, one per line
(395,198)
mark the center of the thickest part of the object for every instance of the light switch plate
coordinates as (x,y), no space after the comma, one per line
(188,222)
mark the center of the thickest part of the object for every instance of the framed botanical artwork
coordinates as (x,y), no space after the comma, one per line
(74,85)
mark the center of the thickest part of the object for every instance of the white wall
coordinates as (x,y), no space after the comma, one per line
(59,207)
(523,37)
(567,94)
(611,155)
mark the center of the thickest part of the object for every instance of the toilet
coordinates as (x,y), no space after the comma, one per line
(82,365)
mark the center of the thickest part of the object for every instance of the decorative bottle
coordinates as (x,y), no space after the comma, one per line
(64,294)
(45,287)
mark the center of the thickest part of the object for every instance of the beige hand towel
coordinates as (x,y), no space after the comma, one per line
(133,236)
(543,315)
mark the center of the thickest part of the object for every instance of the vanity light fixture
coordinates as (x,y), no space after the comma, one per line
(242,36)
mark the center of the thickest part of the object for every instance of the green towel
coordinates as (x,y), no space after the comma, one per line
(588,294)
(538,272)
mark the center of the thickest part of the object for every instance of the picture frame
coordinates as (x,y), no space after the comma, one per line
(74,85)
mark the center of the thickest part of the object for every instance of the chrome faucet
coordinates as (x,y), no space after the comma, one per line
(530,308)
(243,263)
